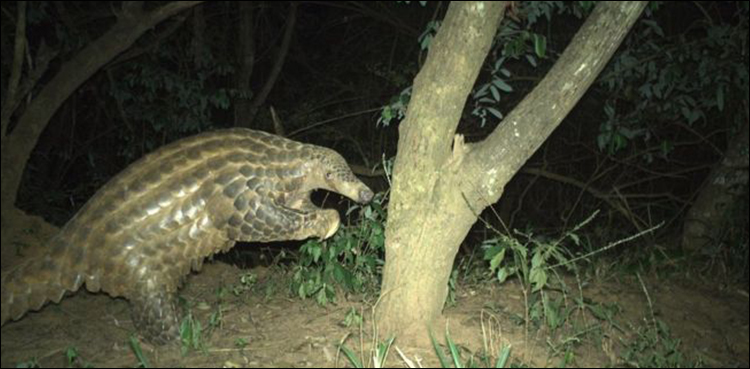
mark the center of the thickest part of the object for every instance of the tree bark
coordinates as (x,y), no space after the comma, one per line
(726,184)
(17,145)
(438,190)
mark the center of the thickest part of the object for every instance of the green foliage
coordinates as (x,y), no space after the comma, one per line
(135,345)
(456,359)
(536,10)
(396,109)
(533,270)
(170,90)
(74,360)
(350,261)
(425,39)
(351,356)
(514,41)
(457,355)
(33,363)
(452,285)
(191,334)
(247,283)
(659,79)
(654,347)
(533,262)
(353,318)
(216,319)
(379,357)
(241,342)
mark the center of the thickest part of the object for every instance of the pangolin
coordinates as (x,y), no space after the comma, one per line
(157,220)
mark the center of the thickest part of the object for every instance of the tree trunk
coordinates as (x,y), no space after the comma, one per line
(132,22)
(726,184)
(438,189)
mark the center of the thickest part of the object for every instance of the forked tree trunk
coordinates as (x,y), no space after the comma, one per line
(441,184)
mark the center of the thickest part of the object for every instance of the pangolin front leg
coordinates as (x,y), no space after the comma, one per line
(154,308)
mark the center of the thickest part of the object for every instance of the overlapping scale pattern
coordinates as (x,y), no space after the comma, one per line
(148,227)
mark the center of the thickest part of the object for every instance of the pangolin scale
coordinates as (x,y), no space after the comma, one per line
(157,220)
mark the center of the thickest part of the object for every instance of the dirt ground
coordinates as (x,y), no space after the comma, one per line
(265,327)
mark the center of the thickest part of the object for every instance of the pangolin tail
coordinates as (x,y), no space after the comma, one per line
(37,280)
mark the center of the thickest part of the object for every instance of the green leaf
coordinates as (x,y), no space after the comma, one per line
(495,93)
(502,85)
(502,275)
(444,363)
(540,45)
(495,112)
(353,359)
(575,239)
(530,58)
(497,260)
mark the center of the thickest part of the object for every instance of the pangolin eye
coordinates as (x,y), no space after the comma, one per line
(329,175)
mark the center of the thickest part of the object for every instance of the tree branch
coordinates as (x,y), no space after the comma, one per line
(496,159)
(260,98)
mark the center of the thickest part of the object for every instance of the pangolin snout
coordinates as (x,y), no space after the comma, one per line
(365,195)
